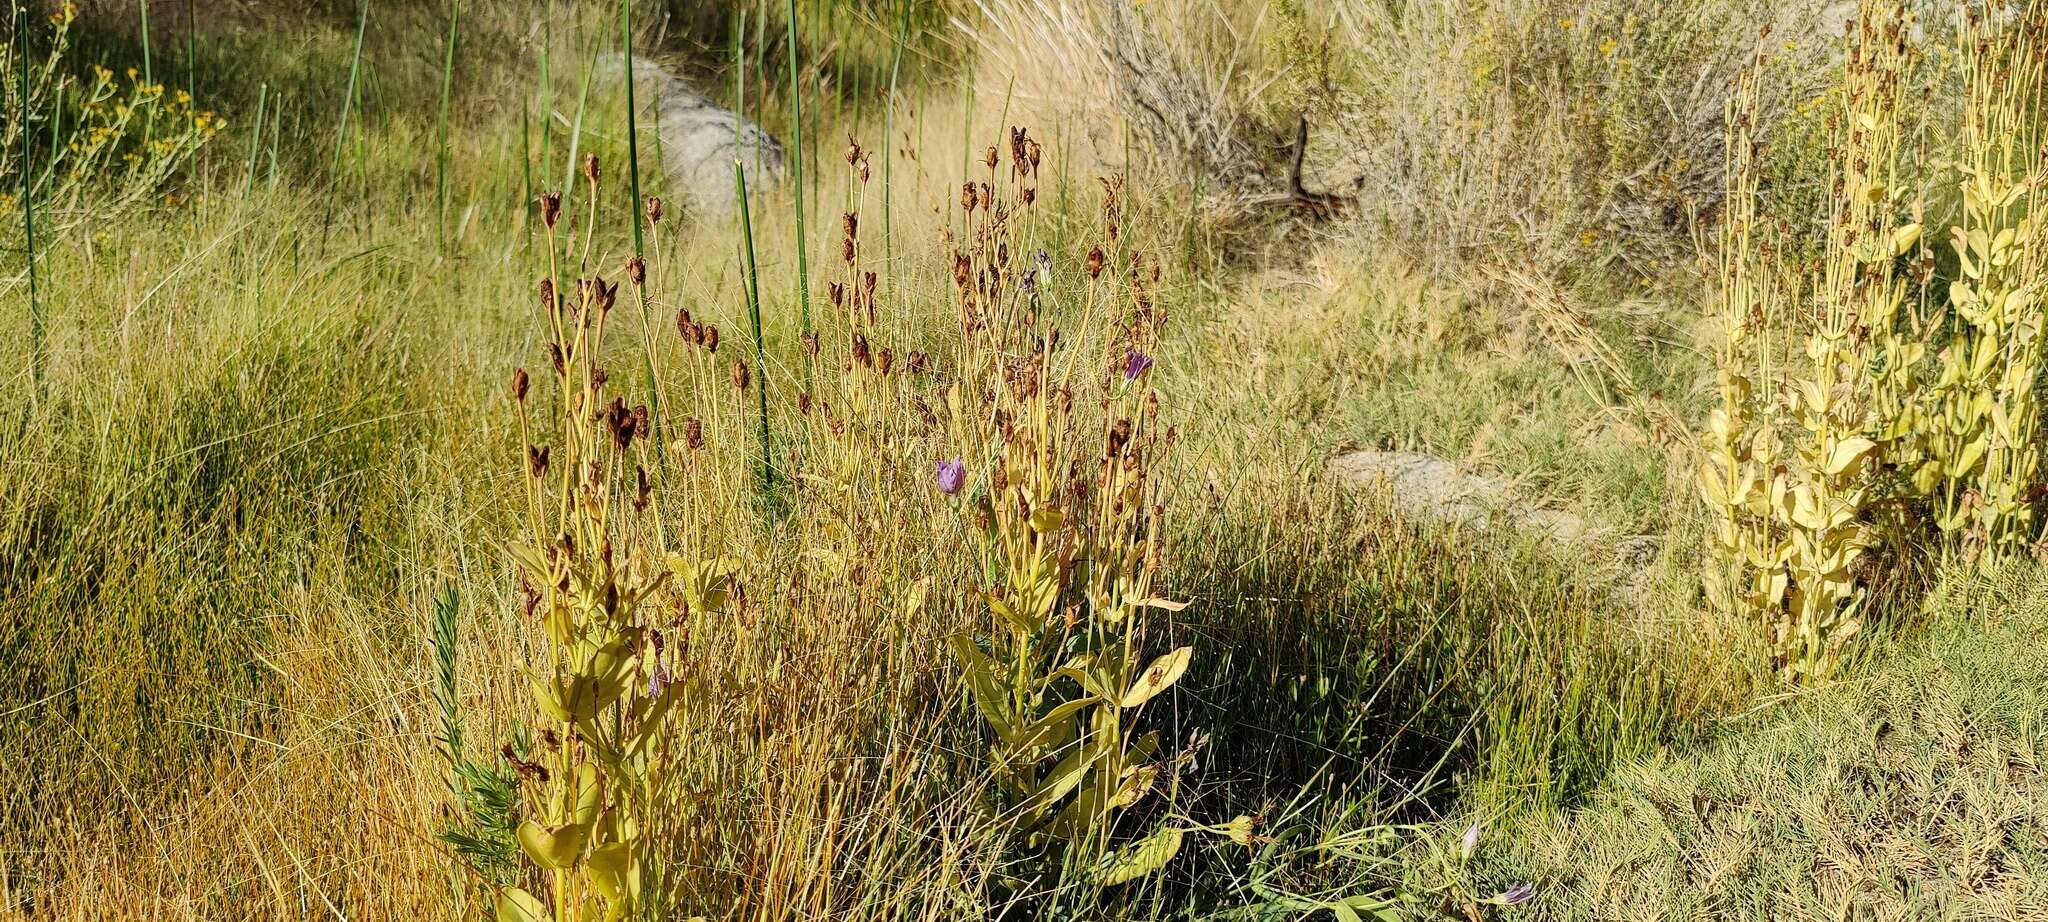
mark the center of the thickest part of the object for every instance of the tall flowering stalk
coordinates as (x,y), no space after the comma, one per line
(589,569)
(1986,418)
(1067,514)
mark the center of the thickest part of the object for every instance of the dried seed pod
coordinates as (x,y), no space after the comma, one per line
(711,337)
(643,488)
(989,159)
(852,150)
(860,351)
(636,271)
(547,295)
(683,324)
(693,433)
(920,361)
(519,383)
(846,250)
(550,208)
(836,293)
(590,170)
(810,341)
(885,359)
(803,403)
(850,223)
(968,197)
(537,459)
(555,356)
(740,376)
(1095,259)
(653,210)
(867,283)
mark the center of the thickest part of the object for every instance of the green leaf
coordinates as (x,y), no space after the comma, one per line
(988,693)
(1156,678)
(517,905)
(552,848)
(1139,858)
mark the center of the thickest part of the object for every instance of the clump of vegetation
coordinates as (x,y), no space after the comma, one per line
(1838,433)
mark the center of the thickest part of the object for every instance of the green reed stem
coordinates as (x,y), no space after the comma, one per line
(889,132)
(28,210)
(441,128)
(739,179)
(255,141)
(796,118)
(632,127)
(636,207)
(348,100)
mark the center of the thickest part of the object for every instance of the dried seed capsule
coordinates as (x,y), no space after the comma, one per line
(653,210)
(885,359)
(711,337)
(693,433)
(590,169)
(683,324)
(967,196)
(850,223)
(636,270)
(1095,263)
(836,293)
(537,459)
(989,159)
(740,376)
(550,208)
(547,295)
(519,383)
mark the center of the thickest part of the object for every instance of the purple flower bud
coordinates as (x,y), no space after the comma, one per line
(1470,843)
(1135,364)
(1517,895)
(952,476)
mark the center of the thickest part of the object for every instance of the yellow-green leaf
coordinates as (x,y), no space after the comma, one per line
(517,905)
(1139,858)
(551,848)
(1157,677)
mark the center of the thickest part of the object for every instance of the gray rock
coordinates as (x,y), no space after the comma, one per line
(1426,486)
(699,140)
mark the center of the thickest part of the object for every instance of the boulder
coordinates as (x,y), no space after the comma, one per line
(699,140)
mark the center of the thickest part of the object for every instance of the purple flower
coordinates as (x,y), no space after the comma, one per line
(1135,364)
(1470,843)
(1517,895)
(952,476)
(657,679)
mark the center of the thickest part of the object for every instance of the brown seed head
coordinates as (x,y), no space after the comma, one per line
(740,375)
(711,337)
(967,196)
(885,359)
(989,159)
(693,433)
(550,208)
(519,383)
(636,271)
(590,170)
(653,210)
(547,295)
(1095,259)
